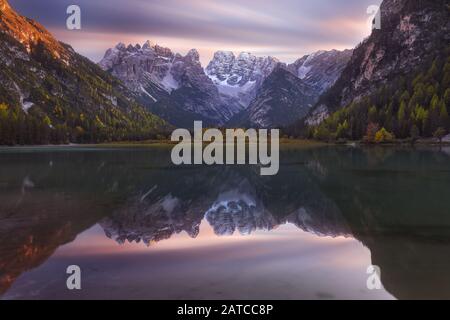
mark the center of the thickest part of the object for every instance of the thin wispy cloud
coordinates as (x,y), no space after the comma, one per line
(286,29)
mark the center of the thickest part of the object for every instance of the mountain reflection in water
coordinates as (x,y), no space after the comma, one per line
(393,201)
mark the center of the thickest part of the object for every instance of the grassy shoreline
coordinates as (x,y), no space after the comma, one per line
(284,142)
(287,142)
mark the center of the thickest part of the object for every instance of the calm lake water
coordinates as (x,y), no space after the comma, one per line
(141,228)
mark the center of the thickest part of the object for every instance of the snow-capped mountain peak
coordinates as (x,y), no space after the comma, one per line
(321,69)
(171,85)
(240,76)
(291,90)
(139,65)
(229,85)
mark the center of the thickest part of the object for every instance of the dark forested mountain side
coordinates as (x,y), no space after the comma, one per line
(396,80)
(51,94)
(411,106)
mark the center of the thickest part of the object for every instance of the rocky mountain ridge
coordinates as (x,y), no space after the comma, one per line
(412,32)
(239,77)
(321,69)
(224,93)
(170,85)
(282,99)
(290,91)
(51,94)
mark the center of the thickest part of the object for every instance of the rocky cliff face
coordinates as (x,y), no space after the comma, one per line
(143,69)
(411,32)
(180,91)
(239,77)
(282,99)
(173,86)
(290,91)
(321,69)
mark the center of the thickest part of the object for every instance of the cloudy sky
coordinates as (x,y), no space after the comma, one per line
(286,29)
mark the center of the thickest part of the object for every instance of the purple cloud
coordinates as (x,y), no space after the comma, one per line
(287,29)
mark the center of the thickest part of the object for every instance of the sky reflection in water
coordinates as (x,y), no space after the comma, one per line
(285,263)
(308,233)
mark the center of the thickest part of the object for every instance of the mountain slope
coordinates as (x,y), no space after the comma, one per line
(238,78)
(173,86)
(412,31)
(321,69)
(282,98)
(291,92)
(50,94)
(397,84)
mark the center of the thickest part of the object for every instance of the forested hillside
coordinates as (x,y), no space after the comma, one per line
(51,94)
(408,107)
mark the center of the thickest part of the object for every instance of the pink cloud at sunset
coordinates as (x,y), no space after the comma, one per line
(286,29)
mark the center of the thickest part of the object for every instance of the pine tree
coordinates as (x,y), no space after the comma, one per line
(443,115)
(415,133)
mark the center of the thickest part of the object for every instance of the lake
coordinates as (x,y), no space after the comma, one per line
(142,228)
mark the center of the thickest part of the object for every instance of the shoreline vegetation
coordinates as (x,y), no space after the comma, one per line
(286,142)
